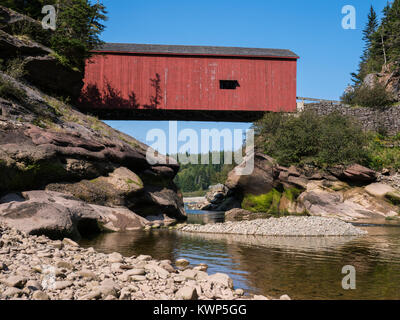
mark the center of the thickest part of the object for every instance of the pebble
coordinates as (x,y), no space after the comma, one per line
(115,257)
(187,293)
(11,292)
(40,295)
(67,241)
(182,262)
(60,285)
(15,281)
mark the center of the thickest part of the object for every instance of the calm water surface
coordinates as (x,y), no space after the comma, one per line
(303,268)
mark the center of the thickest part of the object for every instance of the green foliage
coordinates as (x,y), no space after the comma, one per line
(381,53)
(199,193)
(375,98)
(15,68)
(292,193)
(310,138)
(267,202)
(139,182)
(78,27)
(30,176)
(32,8)
(384,152)
(9,91)
(393,197)
(196,177)
(368,33)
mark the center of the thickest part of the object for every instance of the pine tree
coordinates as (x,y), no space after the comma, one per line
(78,29)
(368,33)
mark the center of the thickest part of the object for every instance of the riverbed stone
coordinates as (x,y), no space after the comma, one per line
(182,262)
(15,281)
(135,272)
(115,257)
(239,292)
(221,278)
(144,257)
(40,295)
(138,278)
(87,274)
(70,242)
(95,294)
(379,189)
(33,285)
(187,293)
(189,274)
(11,292)
(61,285)
(65,265)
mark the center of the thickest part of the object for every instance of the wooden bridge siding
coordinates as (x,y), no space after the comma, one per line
(192,83)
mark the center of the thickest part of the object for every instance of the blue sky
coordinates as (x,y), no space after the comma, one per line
(311,28)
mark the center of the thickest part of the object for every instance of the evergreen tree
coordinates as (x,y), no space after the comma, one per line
(368,35)
(78,27)
(381,54)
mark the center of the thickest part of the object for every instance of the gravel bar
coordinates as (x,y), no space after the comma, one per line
(37,268)
(285,226)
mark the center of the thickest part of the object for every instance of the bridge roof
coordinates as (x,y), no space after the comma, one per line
(195,50)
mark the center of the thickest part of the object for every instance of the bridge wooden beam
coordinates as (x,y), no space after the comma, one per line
(178,115)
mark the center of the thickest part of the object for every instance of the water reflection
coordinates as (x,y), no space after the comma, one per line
(286,243)
(204,217)
(304,268)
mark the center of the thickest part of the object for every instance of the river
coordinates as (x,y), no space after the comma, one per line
(303,268)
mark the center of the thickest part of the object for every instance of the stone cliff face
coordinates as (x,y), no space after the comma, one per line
(389,77)
(85,174)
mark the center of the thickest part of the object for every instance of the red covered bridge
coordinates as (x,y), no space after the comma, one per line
(162,82)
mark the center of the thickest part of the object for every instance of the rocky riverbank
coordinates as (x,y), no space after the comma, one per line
(350,193)
(38,268)
(285,226)
(64,173)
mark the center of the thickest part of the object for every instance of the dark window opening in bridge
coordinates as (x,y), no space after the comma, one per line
(228,84)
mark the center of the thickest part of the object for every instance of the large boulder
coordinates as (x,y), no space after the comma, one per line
(58,215)
(119,188)
(220,198)
(157,200)
(260,181)
(217,193)
(348,204)
(354,173)
(379,190)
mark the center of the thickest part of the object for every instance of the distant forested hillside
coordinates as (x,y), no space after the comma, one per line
(196,177)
